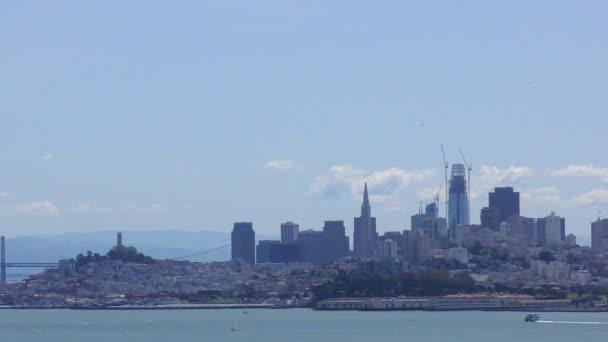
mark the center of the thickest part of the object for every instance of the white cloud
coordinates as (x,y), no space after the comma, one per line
(90,207)
(282,165)
(582,171)
(548,194)
(384,184)
(490,177)
(596,196)
(37,208)
(47,156)
(136,208)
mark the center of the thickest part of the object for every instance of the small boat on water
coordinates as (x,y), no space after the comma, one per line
(531,318)
(234,327)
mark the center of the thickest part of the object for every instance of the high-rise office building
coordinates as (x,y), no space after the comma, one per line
(365,235)
(529,227)
(506,200)
(274,251)
(423,248)
(490,218)
(312,246)
(553,228)
(563,228)
(599,235)
(458,212)
(540,230)
(243,242)
(387,249)
(335,240)
(264,251)
(289,231)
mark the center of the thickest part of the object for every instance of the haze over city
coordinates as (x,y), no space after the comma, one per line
(194,116)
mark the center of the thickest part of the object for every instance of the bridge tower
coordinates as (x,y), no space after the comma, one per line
(2,261)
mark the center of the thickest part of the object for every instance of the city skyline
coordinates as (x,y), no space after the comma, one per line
(196,116)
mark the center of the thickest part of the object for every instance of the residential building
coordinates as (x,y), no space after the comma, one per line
(459,253)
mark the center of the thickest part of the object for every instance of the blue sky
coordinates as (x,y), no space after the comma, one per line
(192,115)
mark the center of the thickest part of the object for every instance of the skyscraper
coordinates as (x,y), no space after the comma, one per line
(289,231)
(553,228)
(312,243)
(365,235)
(506,200)
(243,242)
(599,235)
(540,230)
(458,211)
(336,242)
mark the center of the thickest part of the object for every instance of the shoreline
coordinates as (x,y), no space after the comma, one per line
(282,307)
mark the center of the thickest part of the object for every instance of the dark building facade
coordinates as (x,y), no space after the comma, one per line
(599,235)
(529,226)
(506,201)
(365,235)
(243,242)
(490,218)
(312,243)
(274,251)
(336,242)
(541,223)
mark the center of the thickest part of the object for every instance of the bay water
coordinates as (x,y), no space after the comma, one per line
(295,325)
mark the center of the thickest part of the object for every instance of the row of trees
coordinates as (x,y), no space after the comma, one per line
(122,253)
(427,283)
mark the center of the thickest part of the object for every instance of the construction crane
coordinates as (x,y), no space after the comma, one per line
(469,169)
(436,212)
(446,165)
(436,197)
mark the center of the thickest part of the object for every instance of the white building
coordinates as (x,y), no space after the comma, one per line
(459,253)
(553,230)
(581,277)
(387,249)
(554,271)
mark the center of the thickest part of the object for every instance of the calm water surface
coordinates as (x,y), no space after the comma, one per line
(296,325)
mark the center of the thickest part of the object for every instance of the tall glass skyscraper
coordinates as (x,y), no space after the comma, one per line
(458,210)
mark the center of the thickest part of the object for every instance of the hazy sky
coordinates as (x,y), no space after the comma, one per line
(194,114)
